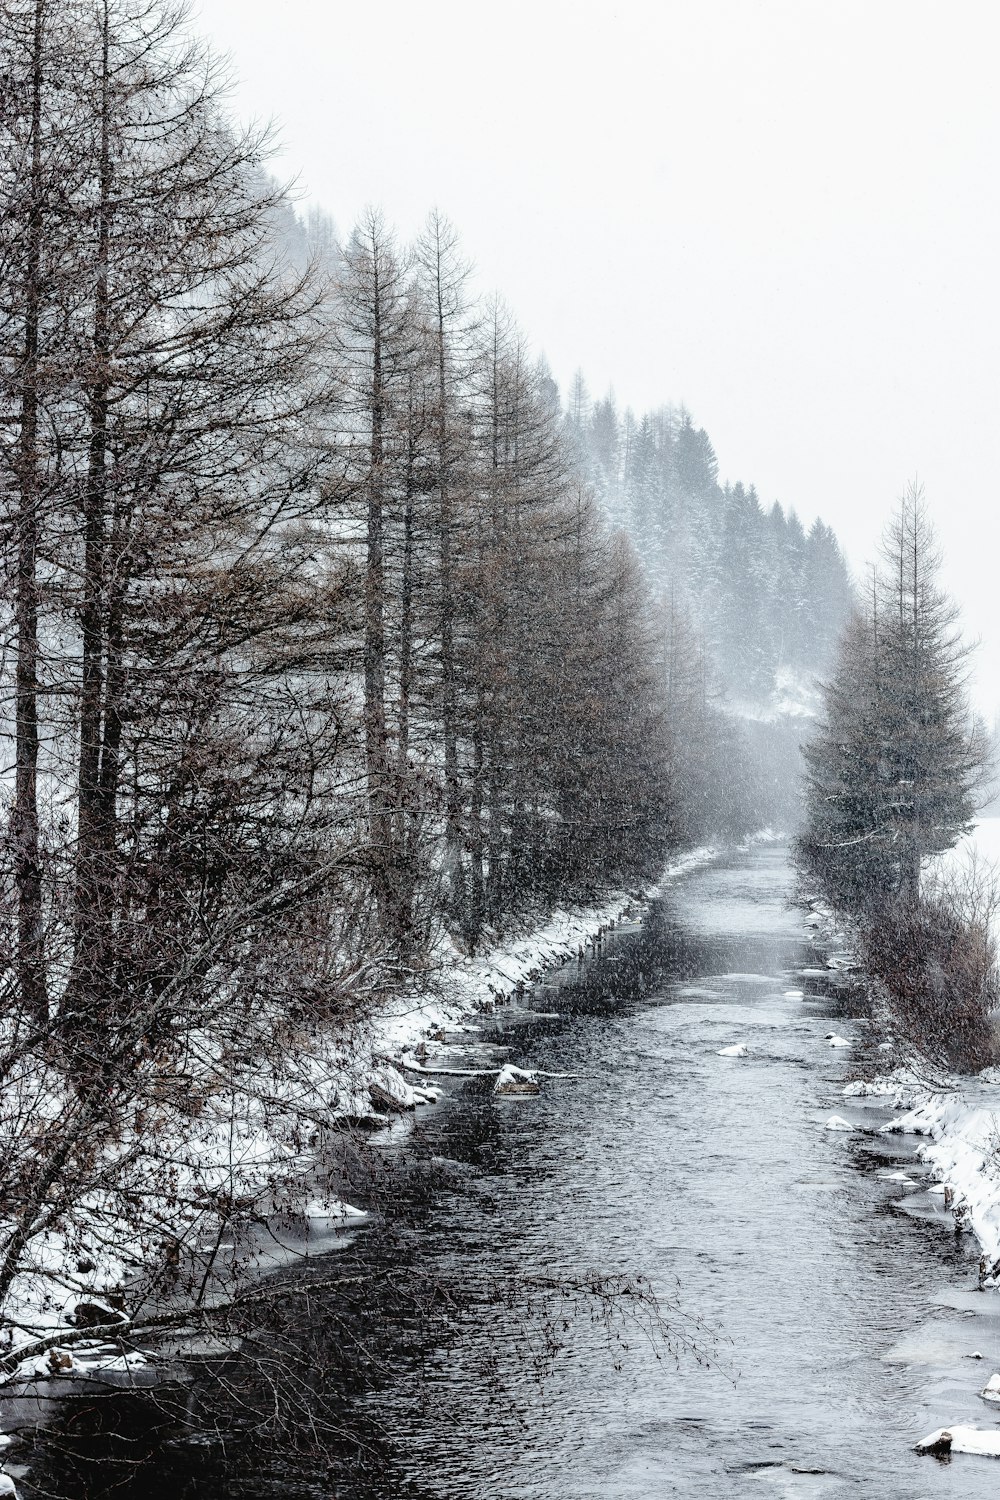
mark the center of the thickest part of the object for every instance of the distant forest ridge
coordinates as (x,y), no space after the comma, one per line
(769,599)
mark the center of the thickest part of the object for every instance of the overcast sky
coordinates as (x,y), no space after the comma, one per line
(782,212)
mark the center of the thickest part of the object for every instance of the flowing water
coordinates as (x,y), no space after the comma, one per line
(833,1311)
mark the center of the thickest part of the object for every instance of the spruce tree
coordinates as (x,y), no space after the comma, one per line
(895,766)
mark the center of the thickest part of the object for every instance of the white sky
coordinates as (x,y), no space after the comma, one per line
(785,213)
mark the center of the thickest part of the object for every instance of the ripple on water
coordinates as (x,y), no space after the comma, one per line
(773,1230)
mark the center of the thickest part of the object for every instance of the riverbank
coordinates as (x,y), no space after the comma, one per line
(827,1288)
(103,1268)
(715,1176)
(959,1116)
(960,1119)
(466,987)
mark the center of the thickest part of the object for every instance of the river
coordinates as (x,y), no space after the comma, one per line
(832,1310)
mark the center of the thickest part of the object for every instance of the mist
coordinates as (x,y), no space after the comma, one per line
(777,214)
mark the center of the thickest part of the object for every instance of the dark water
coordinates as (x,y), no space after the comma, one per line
(832,1311)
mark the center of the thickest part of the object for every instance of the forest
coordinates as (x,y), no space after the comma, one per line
(768,598)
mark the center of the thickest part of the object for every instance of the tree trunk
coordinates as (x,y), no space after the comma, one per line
(93,875)
(28,873)
(376,747)
(449,705)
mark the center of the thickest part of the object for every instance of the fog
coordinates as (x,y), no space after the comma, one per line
(781,214)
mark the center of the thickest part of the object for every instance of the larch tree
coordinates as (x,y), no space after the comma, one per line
(42,155)
(380,344)
(443,277)
(175,460)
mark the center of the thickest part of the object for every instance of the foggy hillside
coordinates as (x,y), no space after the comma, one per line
(770,599)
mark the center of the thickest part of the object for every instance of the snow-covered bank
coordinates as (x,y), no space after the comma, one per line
(464,985)
(958,1116)
(180,1199)
(962,1127)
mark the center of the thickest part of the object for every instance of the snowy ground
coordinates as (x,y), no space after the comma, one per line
(794,696)
(963,1149)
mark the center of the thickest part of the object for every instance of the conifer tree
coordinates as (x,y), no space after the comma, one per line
(895,766)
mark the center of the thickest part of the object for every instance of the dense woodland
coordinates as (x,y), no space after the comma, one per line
(309,570)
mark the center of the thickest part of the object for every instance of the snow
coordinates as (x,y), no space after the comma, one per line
(516,1081)
(7,1487)
(962,1129)
(838,1041)
(793,696)
(134,1360)
(331,1211)
(739,1049)
(388,1081)
(991,1390)
(837,1122)
(962,1440)
(959,1118)
(467,984)
(901,1085)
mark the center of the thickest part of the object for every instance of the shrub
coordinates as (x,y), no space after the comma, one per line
(936,958)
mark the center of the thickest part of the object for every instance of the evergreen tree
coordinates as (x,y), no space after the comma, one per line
(894,768)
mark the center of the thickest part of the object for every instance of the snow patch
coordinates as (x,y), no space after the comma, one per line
(962,1440)
(962,1150)
(901,1086)
(320,1211)
(516,1081)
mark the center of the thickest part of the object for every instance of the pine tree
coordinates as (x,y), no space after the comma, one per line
(934,757)
(894,768)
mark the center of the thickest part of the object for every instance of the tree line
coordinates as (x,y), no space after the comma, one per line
(303,572)
(769,598)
